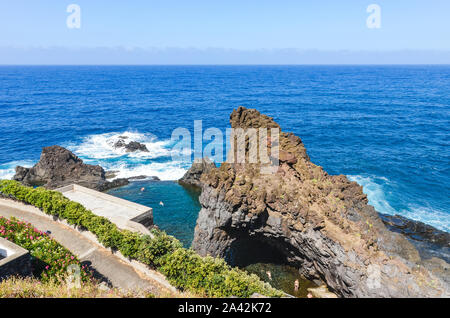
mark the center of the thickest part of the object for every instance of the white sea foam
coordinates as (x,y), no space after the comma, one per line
(162,170)
(102,146)
(373,186)
(99,149)
(7,170)
(434,217)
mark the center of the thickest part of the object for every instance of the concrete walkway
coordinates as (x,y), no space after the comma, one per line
(119,273)
(123,213)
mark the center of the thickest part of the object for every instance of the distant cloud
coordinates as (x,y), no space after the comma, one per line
(168,56)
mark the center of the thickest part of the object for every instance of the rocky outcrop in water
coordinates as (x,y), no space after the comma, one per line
(143,177)
(59,167)
(131,146)
(320,223)
(429,241)
(416,230)
(112,174)
(108,185)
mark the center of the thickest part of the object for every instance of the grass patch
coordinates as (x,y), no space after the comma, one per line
(16,287)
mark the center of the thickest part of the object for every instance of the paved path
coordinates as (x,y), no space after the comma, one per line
(119,273)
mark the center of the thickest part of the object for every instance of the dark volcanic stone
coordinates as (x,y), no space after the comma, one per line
(132,146)
(193,175)
(21,172)
(136,178)
(429,241)
(116,183)
(417,230)
(135,146)
(59,167)
(111,174)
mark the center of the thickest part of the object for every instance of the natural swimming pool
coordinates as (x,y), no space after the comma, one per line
(175,210)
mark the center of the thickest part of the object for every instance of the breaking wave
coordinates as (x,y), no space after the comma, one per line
(7,170)
(99,149)
(102,146)
(377,192)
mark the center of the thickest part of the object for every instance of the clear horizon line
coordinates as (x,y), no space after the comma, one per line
(175,64)
(131,48)
(192,56)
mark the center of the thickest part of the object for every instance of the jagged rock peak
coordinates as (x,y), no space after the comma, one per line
(320,223)
(251,118)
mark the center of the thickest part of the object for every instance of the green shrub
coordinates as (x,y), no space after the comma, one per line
(183,268)
(151,250)
(129,243)
(211,276)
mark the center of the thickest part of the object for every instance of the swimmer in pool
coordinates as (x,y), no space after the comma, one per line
(296,285)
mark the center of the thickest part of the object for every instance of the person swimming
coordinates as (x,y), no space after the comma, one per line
(296,285)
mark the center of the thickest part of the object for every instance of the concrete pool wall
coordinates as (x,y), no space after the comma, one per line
(125,214)
(14,260)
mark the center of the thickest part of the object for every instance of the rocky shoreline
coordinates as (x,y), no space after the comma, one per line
(429,241)
(59,167)
(319,223)
(301,216)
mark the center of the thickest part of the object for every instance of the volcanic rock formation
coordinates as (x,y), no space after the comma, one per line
(132,146)
(320,223)
(59,167)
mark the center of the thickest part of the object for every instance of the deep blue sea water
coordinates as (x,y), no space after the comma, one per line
(386,127)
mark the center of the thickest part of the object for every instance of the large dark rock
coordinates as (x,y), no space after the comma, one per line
(113,174)
(320,223)
(416,230)
(59,167)
(132,146)
(21,173)
(116,183)
(429,241)
(193,175)
(144,177)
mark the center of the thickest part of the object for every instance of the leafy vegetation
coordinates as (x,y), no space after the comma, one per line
(185,269)
(49,259)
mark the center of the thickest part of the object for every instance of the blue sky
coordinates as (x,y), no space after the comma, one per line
(246,25)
